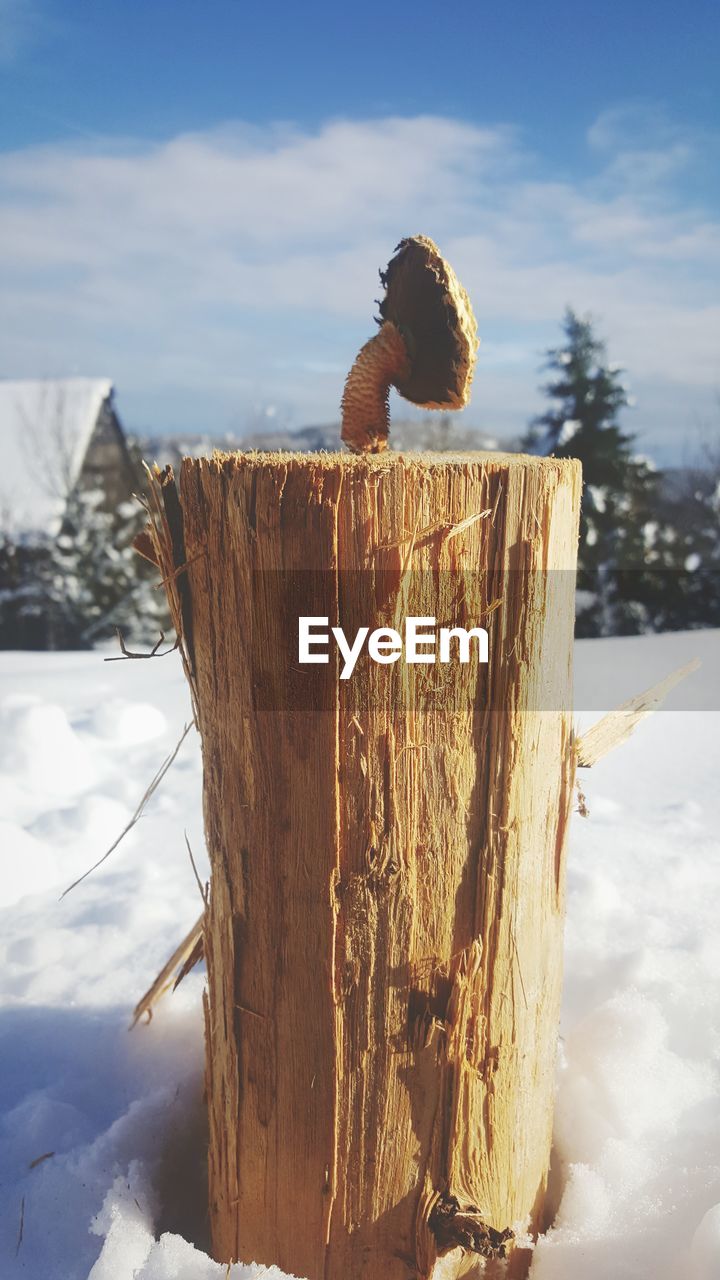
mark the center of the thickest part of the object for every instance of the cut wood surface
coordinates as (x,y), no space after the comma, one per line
(384,933)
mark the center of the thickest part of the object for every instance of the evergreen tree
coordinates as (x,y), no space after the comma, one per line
(623,549)
(22,602)
(76,589)
(94,580)
(691,507)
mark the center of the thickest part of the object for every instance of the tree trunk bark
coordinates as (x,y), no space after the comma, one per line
(384,936)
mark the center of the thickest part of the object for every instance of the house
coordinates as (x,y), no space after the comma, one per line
(58,435)
(59,438)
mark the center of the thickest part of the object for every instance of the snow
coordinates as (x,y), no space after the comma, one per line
(569,428)
(45,429)
(636,1166)
(705,1247)
(598,494)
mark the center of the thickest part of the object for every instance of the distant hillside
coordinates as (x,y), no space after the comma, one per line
(434,433)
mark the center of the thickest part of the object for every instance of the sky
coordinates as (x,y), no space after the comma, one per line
(195,200)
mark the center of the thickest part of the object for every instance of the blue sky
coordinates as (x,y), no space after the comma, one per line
(194,200)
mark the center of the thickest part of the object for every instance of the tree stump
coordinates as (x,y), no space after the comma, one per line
(384,935)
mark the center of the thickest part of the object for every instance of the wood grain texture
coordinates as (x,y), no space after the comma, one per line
(384,937)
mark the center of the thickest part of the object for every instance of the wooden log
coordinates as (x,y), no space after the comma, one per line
(384,934)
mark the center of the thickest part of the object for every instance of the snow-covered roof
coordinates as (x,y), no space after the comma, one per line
(45,429)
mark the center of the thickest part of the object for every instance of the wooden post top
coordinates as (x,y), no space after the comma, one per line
(491,460)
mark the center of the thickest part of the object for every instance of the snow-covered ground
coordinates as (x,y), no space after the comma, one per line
(637,1160)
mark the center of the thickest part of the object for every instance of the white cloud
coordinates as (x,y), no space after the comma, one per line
(240,264)
(633,124)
